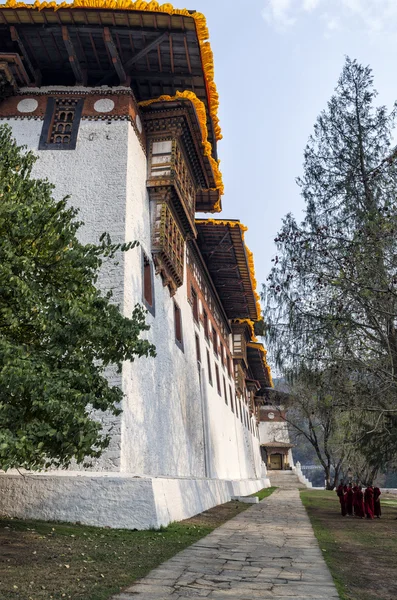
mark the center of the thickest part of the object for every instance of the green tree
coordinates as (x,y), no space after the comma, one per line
(58,332)
(331,298)
(313,414)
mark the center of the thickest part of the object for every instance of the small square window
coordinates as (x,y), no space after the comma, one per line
(178,326)
(209,367)
(61,124)
(195,306)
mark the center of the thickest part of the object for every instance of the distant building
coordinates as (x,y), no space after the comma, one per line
(276,447)
(120,106)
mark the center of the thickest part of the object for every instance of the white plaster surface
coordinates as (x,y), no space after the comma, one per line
(94,175)
(174,423)
(104,105)
(114,500)
(27,105)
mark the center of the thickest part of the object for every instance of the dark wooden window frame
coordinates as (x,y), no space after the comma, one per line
(215,341)
(195,305)
(44,144)
(178,326)
(209,368)
(147,263)
(225,390)
(206,325)
(198,350)
(231,398)
(218,380)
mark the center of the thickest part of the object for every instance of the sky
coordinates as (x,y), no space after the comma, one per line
(277,63)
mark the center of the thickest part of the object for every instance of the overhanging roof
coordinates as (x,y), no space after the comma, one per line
(230,265)
(256,355)
(160,49)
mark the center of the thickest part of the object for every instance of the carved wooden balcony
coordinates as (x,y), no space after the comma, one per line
(169,174)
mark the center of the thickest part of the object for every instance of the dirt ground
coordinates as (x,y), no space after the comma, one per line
(361,553)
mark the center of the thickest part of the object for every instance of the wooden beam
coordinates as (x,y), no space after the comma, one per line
(139,55)
(35,73)
(80,75)
(146,49)
(116,61)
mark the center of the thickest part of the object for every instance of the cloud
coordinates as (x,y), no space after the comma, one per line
(278,13)
(371,16)
(309,5)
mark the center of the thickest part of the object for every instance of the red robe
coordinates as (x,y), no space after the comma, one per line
(341,496)
(369,502)
(355,490)
(349,501)
(360,510)
(377,509)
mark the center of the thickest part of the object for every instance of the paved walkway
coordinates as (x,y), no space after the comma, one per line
(267,551)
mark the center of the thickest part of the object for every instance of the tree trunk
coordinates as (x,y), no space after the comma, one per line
(328,483)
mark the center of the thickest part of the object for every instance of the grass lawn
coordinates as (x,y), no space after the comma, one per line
(264,493)
(361,553)
(44,561)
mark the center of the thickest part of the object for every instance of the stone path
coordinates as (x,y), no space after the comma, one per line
(268,551)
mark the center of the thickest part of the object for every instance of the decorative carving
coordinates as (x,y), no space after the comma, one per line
(168,246)
(168,167)
(61,130)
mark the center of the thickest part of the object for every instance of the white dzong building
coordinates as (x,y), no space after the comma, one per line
(119,104)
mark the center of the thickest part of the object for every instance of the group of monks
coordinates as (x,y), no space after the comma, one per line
(355,502)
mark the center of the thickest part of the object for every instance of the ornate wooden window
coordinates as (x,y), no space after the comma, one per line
(148,283)
(167,166)
(195,306)
(168,246)
(209,367)
(161,159)
(183,179)
(178,326)
(61,124)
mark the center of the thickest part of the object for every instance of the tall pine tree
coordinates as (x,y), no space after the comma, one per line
(331,298)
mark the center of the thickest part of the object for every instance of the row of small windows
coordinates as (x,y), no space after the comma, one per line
(148,296)
(225,358)
(235,404)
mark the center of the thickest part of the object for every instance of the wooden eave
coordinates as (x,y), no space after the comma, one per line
(222,247)
(191,137)
(156,53)
(197,254)
(257,365)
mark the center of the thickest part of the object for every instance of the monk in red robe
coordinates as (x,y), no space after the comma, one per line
(349,500)
(377,509)
(360,510)
(341,495)
(355,490)
(369,502)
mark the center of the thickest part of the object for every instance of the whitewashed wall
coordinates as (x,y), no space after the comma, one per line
(94,175)
(167,419)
